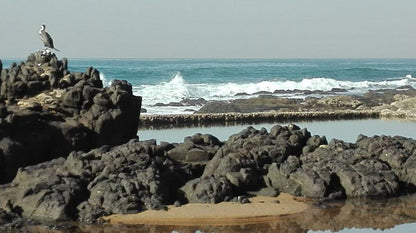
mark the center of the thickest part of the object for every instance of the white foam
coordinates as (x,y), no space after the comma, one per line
(174,90)
(106,83)
(178,89)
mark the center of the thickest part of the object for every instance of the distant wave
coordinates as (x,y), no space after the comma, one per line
(178,89)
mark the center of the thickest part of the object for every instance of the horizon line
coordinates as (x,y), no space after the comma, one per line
(219,58)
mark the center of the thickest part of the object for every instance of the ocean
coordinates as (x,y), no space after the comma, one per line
(166,82)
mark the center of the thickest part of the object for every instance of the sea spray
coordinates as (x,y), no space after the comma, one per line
(177,89)
(106,82)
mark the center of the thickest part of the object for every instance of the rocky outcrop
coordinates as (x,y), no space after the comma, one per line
(290,160)
(141,175)
(198,148)
(400,99)
(46,112)
(124,179)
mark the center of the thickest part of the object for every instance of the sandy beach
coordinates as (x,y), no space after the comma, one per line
(260,209)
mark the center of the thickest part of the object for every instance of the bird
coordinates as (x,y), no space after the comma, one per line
(46,38)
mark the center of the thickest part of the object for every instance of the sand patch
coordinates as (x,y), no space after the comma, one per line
(261,209)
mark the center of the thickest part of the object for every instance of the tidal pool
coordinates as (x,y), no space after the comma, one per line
(346,130)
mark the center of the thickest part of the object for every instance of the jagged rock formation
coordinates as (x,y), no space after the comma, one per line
(290,160)
(46,112)
(124,179)
(141,175)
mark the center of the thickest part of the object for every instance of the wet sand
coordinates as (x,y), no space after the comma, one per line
(261,209)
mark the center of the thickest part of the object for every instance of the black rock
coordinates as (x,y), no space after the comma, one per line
(218,107)
(207,190)
(49,112)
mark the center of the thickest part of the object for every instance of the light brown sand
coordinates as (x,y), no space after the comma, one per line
(261,209)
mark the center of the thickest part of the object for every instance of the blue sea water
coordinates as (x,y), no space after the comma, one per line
(172,80)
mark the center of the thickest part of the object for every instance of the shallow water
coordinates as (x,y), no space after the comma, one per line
(361,215)
(347,130)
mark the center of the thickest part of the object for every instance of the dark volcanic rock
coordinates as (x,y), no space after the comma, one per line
(218,106)
(124,179)
(335,100)
(289,159)
(38,192)
(198,148)
(208,190)
(137,176)
(47,112)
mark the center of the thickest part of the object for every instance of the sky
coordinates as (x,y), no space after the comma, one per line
(211,28)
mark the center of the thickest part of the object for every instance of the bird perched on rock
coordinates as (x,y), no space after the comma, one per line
(46,39)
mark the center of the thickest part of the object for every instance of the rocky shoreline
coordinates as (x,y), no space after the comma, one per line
(69,151)
(397,103)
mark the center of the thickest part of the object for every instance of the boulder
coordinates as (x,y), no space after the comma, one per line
(208,190)
(198,148)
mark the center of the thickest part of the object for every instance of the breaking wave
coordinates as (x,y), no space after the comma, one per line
(178,89)
(106,82)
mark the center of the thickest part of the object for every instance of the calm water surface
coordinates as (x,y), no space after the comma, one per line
(346,130)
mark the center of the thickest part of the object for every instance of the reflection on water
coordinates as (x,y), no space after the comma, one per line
(404,228)
(348,216)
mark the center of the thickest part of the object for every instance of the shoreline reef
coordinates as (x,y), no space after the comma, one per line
(397,103)
(69,151)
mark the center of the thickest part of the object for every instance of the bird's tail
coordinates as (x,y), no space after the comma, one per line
(56,49)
